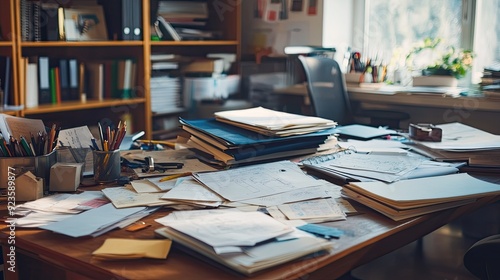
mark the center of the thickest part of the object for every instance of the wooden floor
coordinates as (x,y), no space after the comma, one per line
(438,256)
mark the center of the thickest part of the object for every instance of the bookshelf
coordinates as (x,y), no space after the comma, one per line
(8,51)
(224,16)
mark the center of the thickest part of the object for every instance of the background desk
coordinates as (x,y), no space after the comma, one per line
(480,112)
(45,255)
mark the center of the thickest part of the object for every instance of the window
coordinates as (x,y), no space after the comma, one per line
(390,28)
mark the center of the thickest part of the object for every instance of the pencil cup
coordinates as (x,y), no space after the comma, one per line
(106,166)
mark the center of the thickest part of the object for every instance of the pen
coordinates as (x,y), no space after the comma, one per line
(174,176)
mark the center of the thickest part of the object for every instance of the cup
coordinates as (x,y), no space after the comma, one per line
(106,166)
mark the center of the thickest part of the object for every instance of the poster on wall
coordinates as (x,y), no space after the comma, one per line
(297,5)
(272,10)
(312,8)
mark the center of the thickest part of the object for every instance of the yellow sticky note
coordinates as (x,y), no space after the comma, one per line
(123,248)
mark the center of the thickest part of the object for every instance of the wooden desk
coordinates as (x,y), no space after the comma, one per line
(480,112)
(46,255)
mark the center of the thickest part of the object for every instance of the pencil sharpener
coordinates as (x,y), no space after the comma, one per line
(425,132)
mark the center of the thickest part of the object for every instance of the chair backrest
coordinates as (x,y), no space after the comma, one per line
(327,89)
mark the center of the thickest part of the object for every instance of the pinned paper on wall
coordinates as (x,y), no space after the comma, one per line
(272,10)
(312,7)
(297,5)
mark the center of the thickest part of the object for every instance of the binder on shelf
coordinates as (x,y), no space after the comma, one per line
(74,88)
(31,85)
(64,79)
(44,94)
(49,22)
(5,77)
(126,20)
(136,20)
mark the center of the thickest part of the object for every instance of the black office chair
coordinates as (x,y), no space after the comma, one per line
(329,98)
(483,258)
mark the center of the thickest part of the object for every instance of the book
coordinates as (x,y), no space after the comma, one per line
(165,31)
(95,78)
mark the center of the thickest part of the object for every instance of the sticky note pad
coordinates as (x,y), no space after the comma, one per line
(123,248)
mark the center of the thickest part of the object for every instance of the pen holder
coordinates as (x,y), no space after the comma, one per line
(39,166)
(106,166)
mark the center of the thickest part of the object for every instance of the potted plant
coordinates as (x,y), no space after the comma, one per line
(439,65)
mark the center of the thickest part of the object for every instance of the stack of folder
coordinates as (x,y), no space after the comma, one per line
(255,137)
(410,198)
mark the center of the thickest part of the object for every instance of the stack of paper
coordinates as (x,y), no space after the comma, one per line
(274,123)
(231,142)
(410,198)
(388,167)
(462,142)
(235,239)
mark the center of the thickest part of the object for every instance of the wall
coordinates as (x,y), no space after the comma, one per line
(299,29)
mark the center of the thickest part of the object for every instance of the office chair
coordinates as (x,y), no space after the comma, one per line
(483,258)
(329,98)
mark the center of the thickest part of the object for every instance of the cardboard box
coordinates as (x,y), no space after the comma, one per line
(28,187)
(205,65)
(65,177)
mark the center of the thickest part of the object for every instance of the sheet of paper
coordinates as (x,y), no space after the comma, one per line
(63,202)
(232,228)
(312,209)
(389,164)
(123,197)
(256,180)
(193,191)
(86,223)
(191,214)
(144,186)
(38,219)
(77,137)
(292,196)
(165,185)
(125,248)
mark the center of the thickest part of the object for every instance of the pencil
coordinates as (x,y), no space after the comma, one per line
(174,176)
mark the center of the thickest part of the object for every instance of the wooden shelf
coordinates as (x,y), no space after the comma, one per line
(91,51)
(64,44)
(194,43)
(77,105)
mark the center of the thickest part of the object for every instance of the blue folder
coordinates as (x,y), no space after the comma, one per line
(235,137)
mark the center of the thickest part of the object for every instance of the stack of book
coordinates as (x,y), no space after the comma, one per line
(490,82)
(410,198)
(255,135)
